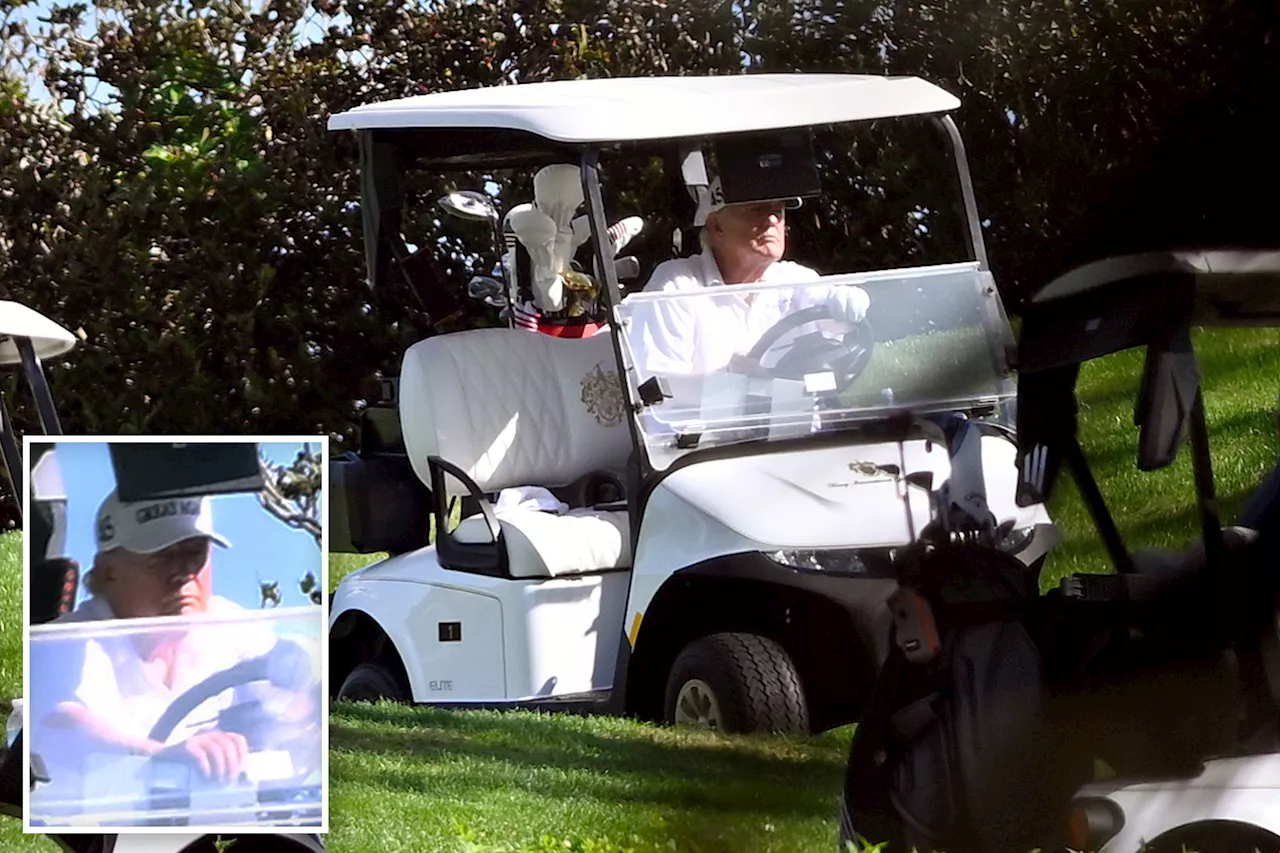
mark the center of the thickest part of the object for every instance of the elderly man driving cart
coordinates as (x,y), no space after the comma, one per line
(742,243)
(153,560)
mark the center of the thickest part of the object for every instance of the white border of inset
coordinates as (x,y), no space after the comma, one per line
(182,835)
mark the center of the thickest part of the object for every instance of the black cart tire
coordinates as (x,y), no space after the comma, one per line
(737,683)
(255,844)
(369,682)
(1220,836)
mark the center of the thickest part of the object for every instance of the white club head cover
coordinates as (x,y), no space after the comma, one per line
(537,231)
(621,232)
(506,220)
(624,231)
(557,192)
(581,230)
(509,240)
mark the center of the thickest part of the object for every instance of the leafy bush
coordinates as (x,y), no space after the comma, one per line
(169,190)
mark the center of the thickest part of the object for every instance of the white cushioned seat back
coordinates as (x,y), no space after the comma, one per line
(513,408)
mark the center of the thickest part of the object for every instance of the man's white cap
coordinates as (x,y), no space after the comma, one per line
(149,526)
(712,199)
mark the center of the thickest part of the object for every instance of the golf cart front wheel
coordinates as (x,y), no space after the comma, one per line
(737,683)
(369,682)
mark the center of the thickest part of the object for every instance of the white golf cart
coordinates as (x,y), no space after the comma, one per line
(1230,806)
(27,338)
(716,550)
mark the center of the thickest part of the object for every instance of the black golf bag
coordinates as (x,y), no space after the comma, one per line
(995,703)
(952,748)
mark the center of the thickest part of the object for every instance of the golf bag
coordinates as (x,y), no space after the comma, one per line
(957,720)
(995,702)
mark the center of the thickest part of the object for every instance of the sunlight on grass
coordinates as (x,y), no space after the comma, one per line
(10,618)
(341,565)
(503,781)
(1241,375)
(946,365)
(411,779)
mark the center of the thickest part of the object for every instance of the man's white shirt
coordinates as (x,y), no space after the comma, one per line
(702,334)
(119,686)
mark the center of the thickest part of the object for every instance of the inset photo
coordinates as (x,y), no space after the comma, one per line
(175,625)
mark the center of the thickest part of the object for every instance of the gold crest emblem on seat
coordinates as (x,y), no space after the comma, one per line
(602,395)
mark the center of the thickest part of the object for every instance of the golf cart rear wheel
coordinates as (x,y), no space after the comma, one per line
(736,683)
(369,682)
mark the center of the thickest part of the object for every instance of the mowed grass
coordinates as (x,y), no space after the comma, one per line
(1241,377)
(409,779)
(944,365)
(11,837)
(10,620)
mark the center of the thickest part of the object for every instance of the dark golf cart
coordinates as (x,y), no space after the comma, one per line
(996,701)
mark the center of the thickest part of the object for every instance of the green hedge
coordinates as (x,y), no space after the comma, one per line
(168,188)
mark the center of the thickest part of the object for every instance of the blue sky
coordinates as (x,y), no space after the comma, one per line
(312,28)
(261,544)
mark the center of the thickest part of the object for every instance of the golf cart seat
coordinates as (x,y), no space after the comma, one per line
(490,409)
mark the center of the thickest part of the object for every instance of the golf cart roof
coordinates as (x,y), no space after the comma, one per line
(623,109)
(1135,300)
(48,339)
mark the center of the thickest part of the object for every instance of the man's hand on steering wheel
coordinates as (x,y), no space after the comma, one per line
(846,357)
(219,755)
(848,303)
(741,362)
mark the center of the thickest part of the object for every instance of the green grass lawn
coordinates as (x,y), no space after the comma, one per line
(945,365)
(421,779)
(1241,370)
(10,619)
(412,779)
(11,837)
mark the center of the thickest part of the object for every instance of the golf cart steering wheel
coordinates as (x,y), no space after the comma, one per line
(282,667)
(847,357)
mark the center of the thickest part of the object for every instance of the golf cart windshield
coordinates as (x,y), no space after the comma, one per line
(764,362)
(255,674)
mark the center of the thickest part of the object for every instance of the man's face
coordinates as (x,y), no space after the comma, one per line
(750,231)
(171,582)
